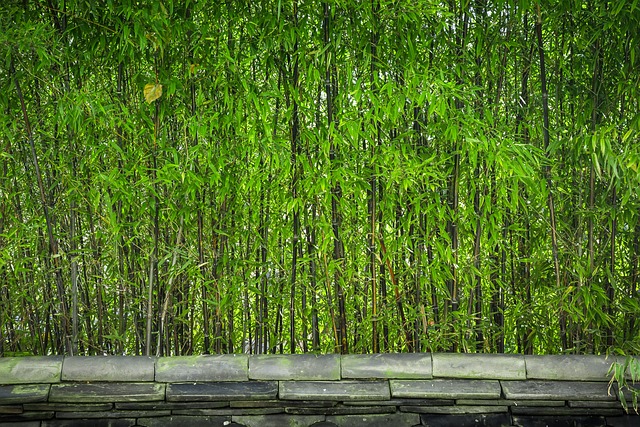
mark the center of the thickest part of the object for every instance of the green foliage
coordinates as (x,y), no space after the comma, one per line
(303,176)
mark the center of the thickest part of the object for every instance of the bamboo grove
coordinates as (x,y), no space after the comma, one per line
(188,177)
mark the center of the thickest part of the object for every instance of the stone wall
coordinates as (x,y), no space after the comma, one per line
(395,390)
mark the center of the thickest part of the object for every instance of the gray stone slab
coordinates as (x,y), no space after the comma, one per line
(106,392)
(11,409)
(254,390)
(111,414)
(108,368)
(90,423)
(500,402)
(532,410)
(277,420)
(479,366)
(445,389)
(594,404)
(282,404)
(299,367)
(148,406)
(343,410)
(225,367)
(556,390)
(22,424)
(26,416)
(396,420)
(67,407)
(468,420)
(24,393)
(229,411)
(403,402)
(30,370)
(558,421)
(386,366)
(334,390)
(455,409)
(185,421)
(568,367)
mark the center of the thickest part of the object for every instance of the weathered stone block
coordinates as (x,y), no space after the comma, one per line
(184,420)
(386,366)
(445,389)
(507,402)
(338,390)
(225,367)
(229,411)
(594,404)
(277,420)
(471,420)
(282,404)
(23,393)
(112,414)
(10,409)
(21,424)
(108,368)
(299,367)
(67,407)
(155,406)
(568,367)
(254,390)
(556,390)
(479,366)
(25,416)
(106,392)
(396,420)
(30,370)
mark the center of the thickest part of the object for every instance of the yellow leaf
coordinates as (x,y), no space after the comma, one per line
(152,92)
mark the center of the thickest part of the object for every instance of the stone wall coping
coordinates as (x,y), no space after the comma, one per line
(303,367)
(403,390)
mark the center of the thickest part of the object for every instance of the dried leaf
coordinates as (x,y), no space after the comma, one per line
(152,92)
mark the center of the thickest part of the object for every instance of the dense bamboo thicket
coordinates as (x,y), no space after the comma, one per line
(184,177)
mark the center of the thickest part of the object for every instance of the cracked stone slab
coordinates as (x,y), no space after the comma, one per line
(106,392)
(568,367)
(30,370)
(479,366)
(556,390)
(224,367)
(108,368)
(24,393)
(217,391)
(334,390)
(445,389)
(299,367)
(386,366)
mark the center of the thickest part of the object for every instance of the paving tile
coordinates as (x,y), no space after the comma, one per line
(277,420)
(398,419)
(23,393)
(445,389)
(334,390)
(299,367)
(568,367)
(108,368)
(254,390)
(225,367)
(30,370)
(556,390)
(386,366)
(106,392)
(479,366)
